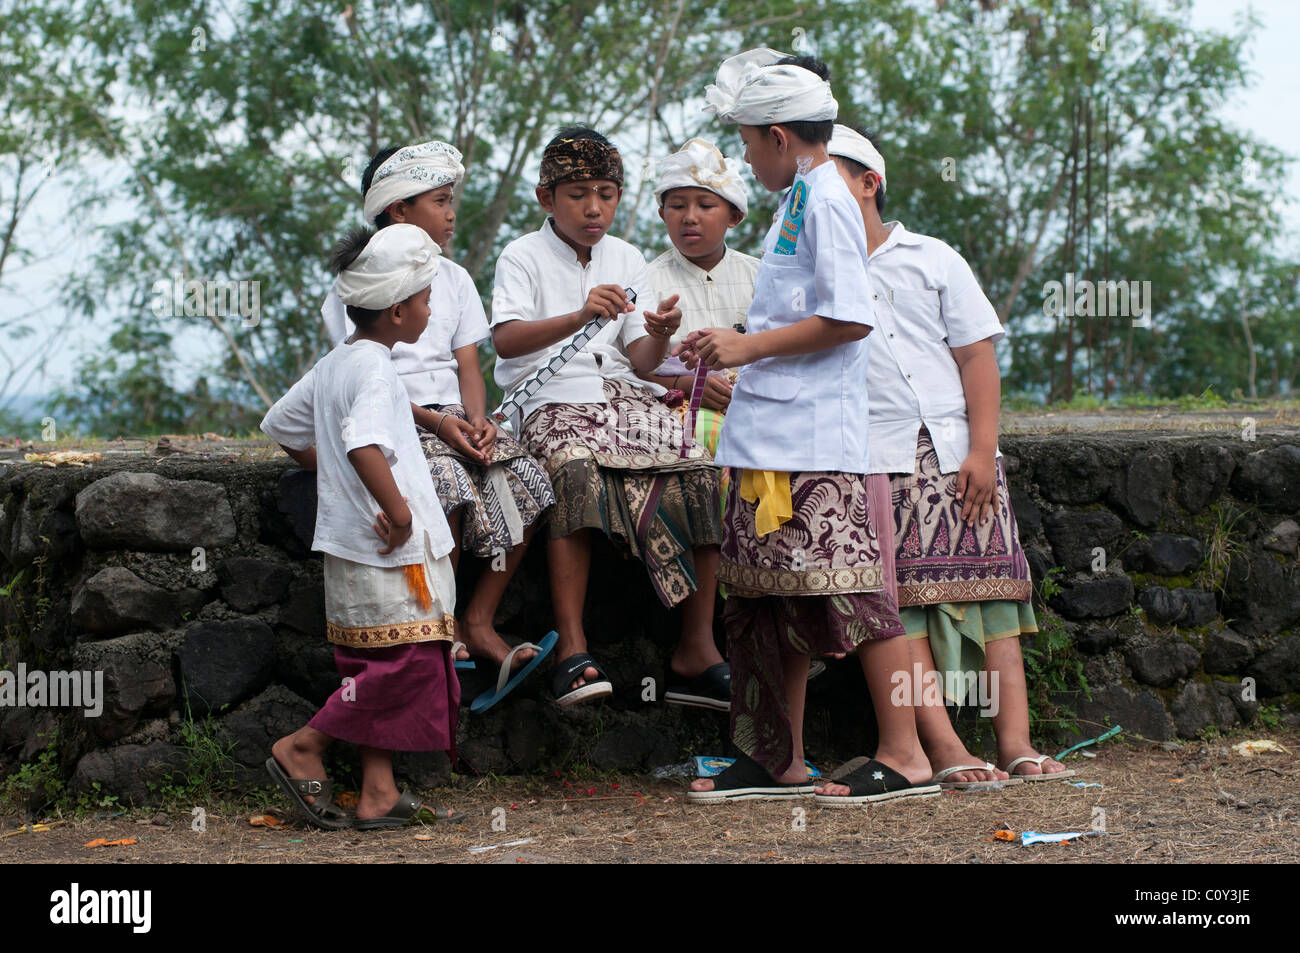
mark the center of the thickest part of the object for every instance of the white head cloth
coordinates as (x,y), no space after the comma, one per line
(411,171)
(753,91)
(851,145)
(699,165)
(399,261)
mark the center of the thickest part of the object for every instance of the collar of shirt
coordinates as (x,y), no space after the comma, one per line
(563,250)
(898,235)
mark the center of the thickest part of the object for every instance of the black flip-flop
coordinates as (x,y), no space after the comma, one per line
(573,667)
(322,812)
(747,780)
(710,689)
(875,781)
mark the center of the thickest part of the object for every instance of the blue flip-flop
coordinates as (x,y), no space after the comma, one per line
(462,664)
(505,681)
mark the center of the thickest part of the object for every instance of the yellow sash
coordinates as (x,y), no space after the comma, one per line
(772,490)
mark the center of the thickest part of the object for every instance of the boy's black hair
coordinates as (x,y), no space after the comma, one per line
(345,253)
(813,131)
(368,176)
(580,131)
(859,170)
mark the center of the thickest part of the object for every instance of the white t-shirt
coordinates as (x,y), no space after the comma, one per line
(428,368)
(927,302)
(350,399)
(538,276)
(807,411)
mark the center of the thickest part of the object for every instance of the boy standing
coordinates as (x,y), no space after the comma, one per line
(963,580)
(800,558)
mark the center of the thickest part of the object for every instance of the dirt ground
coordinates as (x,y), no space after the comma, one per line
(1197,803)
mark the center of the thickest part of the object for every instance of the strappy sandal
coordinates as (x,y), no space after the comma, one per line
(402,813)
(322,812)
(876,781)
(747,780)
(571,668)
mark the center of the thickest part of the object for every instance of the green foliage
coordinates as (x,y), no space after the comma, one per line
(209,769)
(1222,544)
(1049,587)
(1270,716)
(1052,666)
(35,785)
(243,149)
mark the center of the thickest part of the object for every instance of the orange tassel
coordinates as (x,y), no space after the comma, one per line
(419,586)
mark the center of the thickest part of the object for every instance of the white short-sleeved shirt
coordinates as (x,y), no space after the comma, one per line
(538,276)
(927,302)
(717,298)
(428,368)
(807,411)
(350,399)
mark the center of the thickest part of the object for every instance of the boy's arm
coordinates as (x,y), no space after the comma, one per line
(977,478)
(306,458)
(518,337)
(394,523)
(723,347)
(473,392)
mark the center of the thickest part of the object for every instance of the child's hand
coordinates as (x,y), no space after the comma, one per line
(977,482)
(717,392)
(462,435)
(686,350)
(666,320)
(605,301)
(486,437)
(721,348)
(394,536)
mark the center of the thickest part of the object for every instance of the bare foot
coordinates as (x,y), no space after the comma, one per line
(689,662)
(374,804)
(298,762)
(482,640)
(1028,768)
(953,753)
(914,767)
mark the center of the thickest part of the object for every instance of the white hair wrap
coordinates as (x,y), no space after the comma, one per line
(398,261)
(851,145)
(699,165)
(411,171)
(753,91)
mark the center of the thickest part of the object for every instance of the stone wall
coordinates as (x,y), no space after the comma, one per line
(189,584)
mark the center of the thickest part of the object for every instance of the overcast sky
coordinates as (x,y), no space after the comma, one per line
(61,243)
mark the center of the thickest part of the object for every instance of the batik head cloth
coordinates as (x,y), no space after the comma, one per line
(753,91)
(397,262)
(851,145)
(579,159)
(411,171)
(699,165)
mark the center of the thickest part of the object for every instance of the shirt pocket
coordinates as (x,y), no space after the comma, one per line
(770,384)
(919,315)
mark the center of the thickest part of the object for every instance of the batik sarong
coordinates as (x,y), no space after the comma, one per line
(815,586)
(618,468)
(940,558)
(497,503)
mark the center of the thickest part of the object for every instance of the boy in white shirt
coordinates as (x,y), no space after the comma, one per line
(701,197)
(388,609)
(800,559)
(612,449)
(963,580)
(492,492)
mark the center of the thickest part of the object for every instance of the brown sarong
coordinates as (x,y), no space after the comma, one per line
(618,468)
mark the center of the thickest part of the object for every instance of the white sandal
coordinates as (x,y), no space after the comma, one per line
(1041,776)
(995,785)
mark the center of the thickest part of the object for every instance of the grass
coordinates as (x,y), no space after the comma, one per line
(1220,547)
